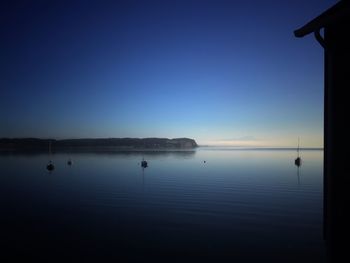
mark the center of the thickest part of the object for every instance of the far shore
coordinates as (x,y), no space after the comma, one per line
(114,149)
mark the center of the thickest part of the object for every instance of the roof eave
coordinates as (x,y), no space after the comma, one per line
(333,14)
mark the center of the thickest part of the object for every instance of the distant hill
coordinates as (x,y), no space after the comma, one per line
(13,144)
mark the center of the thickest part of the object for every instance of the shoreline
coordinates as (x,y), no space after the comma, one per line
(116,149)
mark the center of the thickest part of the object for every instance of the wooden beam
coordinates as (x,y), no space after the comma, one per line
(330,16)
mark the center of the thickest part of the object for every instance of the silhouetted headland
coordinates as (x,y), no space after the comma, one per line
(35,144)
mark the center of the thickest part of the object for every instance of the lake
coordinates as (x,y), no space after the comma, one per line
(210,204)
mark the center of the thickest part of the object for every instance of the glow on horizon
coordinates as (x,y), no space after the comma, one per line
(289,143)
(307,140)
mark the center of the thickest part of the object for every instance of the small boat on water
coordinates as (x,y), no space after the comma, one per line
(50,166)
(297,161)
(69,162)
(144,163)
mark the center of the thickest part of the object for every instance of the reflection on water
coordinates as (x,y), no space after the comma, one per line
(298,174)
(238,205)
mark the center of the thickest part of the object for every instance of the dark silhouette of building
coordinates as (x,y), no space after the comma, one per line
(335,23)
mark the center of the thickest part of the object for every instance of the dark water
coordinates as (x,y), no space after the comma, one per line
(238,206)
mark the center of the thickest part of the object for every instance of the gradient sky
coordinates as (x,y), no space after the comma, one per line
(221,72)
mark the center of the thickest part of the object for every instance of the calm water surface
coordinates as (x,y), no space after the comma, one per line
(238,206)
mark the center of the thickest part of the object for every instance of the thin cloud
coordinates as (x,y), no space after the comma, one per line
(241,139)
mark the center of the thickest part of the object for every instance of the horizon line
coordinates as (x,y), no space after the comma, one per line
(261,147)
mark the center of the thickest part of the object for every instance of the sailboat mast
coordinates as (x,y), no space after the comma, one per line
(298,146)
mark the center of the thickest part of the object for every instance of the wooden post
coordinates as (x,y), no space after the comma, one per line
(337,137)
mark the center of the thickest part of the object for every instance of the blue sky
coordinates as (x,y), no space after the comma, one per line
(221,72)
